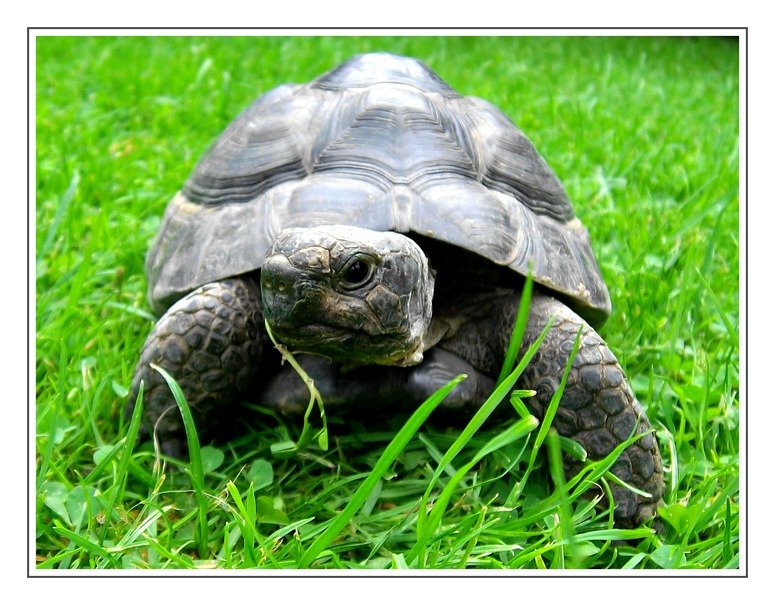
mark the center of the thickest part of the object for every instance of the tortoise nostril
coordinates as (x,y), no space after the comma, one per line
(278,275)
(280,291)
(277,283)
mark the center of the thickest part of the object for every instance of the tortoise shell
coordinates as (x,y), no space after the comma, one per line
(380,142)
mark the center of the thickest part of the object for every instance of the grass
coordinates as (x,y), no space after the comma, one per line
(644,134)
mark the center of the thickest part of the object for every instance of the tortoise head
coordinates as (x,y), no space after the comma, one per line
(353,295)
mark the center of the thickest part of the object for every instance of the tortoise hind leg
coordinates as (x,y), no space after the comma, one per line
(211,342)
(597,409)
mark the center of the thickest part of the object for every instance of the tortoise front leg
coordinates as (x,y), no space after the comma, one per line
(597,409)
(211,342)
(377,389)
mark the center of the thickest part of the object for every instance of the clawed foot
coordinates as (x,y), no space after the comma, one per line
(439,368)
(375,387)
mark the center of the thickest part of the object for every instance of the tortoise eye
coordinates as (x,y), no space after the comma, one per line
(357,272)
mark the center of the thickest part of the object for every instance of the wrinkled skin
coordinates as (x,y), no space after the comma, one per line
(349,294)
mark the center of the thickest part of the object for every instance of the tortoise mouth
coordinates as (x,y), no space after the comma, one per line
(355,347)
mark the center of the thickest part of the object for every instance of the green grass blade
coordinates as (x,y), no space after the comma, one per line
(546,423)
(394,448)
(518,404)
(474,538)
(614,479)
(195,470)
(673,452)
(95,549)
(246,520)
(307,429)
(558,476)
(53,410)
(62,205)
(510,435)
(515,432)
(518,331)
(705,516)
(480,417)
(117,493)
(572,448)
(727,548)
(436,454)
(596,470)
(720,309)
(132,536)
(554,404)
(615,534)
(470,429)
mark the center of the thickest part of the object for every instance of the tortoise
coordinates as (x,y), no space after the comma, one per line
(382,225)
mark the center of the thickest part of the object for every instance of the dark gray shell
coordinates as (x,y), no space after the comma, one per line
(383,143)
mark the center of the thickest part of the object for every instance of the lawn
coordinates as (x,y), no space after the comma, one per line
(643,132)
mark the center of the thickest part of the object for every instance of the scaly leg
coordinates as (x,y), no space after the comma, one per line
(211,342)
(597,409)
